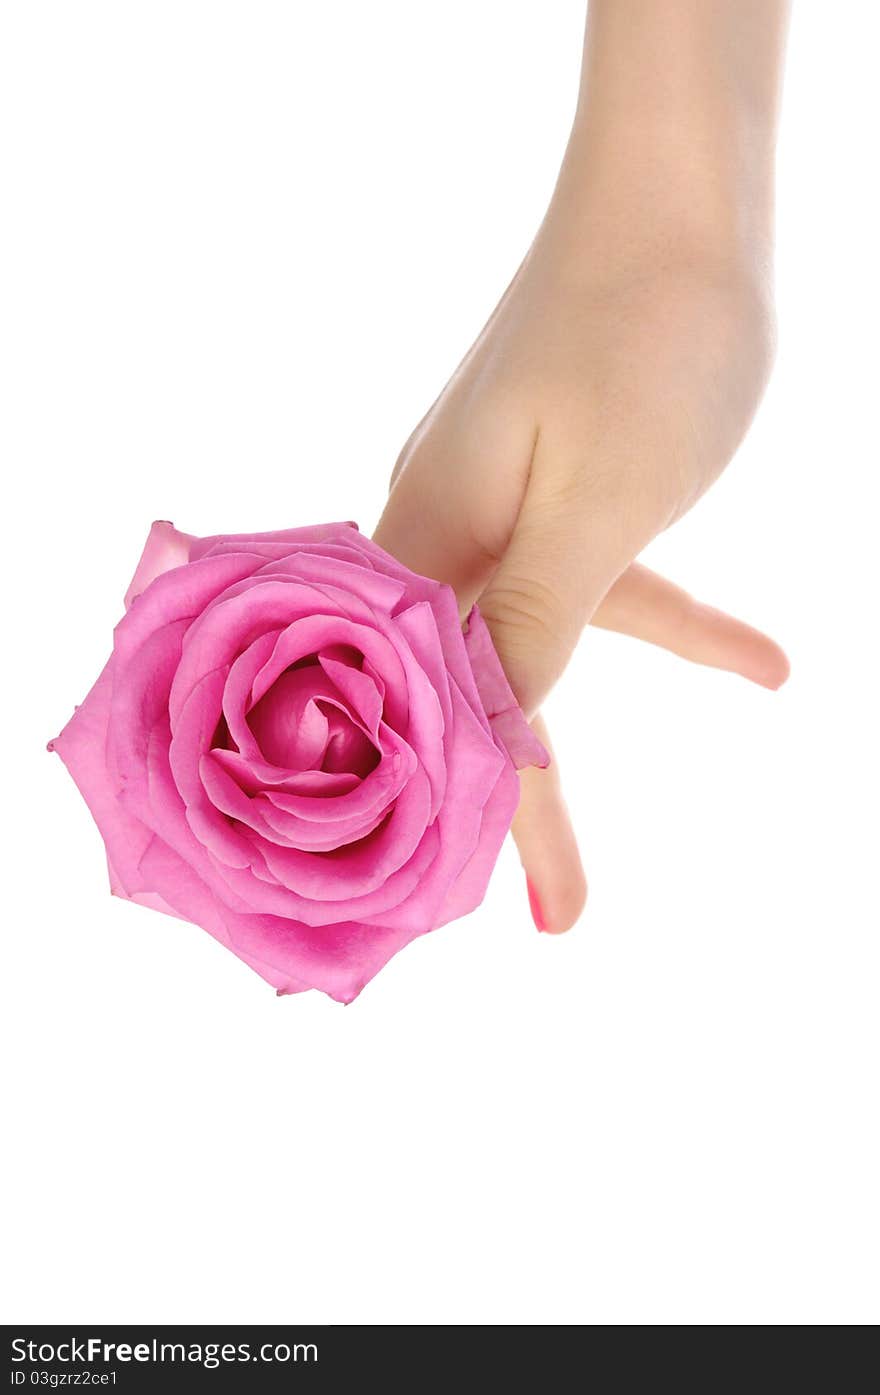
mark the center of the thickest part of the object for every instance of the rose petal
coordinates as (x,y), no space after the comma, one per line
(81,745)
(164,549)
(502,709)
(475,765)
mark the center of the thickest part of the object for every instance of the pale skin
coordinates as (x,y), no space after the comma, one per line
(615,379)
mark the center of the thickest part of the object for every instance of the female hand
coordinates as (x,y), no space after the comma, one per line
(615,379)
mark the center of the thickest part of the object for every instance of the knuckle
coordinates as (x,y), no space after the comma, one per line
(526,615)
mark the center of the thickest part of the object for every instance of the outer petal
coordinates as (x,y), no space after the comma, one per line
(471,884)
(504,712)
(165,548)
(82,747)
(322,533)
(338,960)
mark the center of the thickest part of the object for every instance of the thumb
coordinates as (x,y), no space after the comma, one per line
(570,543)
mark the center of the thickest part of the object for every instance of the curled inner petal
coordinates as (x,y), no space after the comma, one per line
(303,723)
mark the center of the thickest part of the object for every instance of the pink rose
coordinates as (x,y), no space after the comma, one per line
(295,746)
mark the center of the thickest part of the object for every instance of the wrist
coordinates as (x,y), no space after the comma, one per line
(624,195)
(675,129)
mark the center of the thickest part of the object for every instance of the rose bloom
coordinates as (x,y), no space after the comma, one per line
(295,746)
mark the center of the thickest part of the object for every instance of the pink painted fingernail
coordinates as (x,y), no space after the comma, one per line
(535,905)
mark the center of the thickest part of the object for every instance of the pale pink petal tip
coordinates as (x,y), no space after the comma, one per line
(504,712)
(165,548)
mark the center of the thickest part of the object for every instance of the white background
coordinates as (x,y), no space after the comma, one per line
(244,245)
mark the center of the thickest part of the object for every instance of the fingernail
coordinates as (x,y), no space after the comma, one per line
(535,906)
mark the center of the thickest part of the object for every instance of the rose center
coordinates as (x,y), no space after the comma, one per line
(303,723)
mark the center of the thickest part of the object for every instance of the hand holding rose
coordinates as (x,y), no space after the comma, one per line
(616,377)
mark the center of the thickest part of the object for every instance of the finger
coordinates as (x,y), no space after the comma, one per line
(574,536)
(421,527)
(542,828)
(454,499)
(648,607)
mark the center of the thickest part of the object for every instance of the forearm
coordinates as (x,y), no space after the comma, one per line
(674,137)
